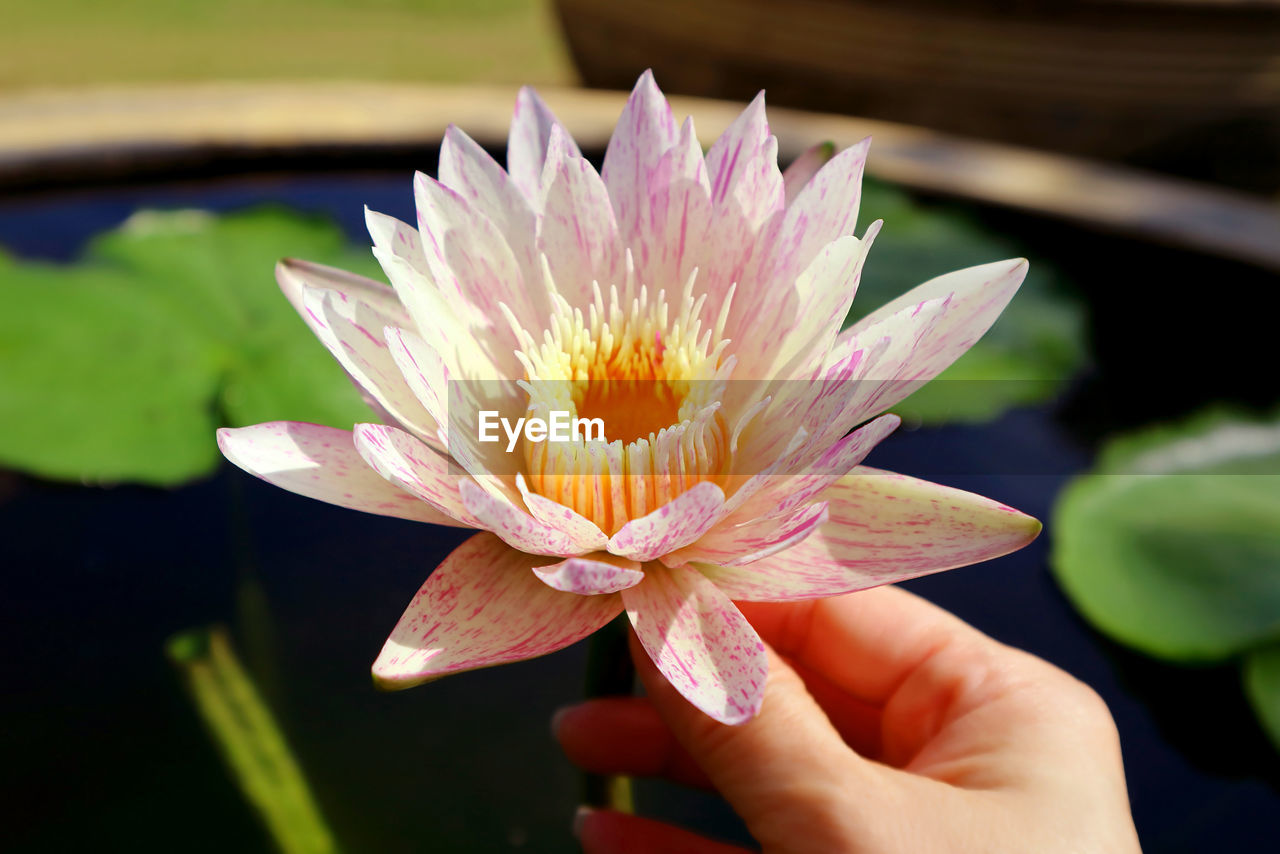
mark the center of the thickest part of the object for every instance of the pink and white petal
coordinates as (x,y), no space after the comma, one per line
(699,641)
(470,261)
(883,528)
(486,460)
(293,275)
(321,463)
(826,208)
(673,220)
(582,531)
(593,575)
(804,167)
(807,570)
(456,406)
(746,194)
(398,248)
(825,290)
(745,483)
(472,173)
(803,478)
(809,403)
(527,144)
(577,233)
(674,525)
(351,330)
(484,606)
(424,371)
(884,519)
(971,298)
(514,524)
(730,158)
(415,468)
(645,130)
(801,321)
(980,294)
(742,167)
(398,239)
(918,340)
(751,541)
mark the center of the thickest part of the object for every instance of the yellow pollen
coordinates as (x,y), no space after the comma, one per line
(654,378)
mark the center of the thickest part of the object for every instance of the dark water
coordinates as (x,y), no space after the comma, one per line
(102,750)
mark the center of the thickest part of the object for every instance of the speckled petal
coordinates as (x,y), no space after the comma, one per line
(423,369)
(585,534)
(591,576)
(672,526)
(514,524)
(920,334)
(471,262)
(699,641)
(883,527)
(484,606)
(472,173)
(352,331)
(752,541)
(746,193)
(295,277)
(671,226)
(980,294)
(796,176)
(825,208)
(415,468)
(800,323)
(292,275)
(527,144)
(398,248)
(321,463)
(578,234)
(645,130)
(804,476)
(746,184)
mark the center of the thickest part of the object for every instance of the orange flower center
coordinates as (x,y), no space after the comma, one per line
(650,378)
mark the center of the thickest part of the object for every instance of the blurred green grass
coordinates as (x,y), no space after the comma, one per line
(81,42)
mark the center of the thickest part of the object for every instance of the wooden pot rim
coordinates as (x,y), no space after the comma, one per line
(60,137)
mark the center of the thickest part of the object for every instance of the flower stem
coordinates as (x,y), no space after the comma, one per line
(610,673)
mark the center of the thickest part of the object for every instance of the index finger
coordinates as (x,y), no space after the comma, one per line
(866,643)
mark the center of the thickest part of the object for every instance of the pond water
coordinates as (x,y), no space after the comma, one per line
(103,750)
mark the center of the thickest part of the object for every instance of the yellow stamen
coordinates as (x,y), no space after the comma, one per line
(647,369)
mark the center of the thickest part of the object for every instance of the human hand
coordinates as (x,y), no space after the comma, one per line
(888,726)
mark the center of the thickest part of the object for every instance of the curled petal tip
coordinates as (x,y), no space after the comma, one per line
(384,683)
(389,680)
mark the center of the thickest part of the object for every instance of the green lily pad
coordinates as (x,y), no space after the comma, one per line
(120,367)
(1262,687)
(1026,357)
(1172,544)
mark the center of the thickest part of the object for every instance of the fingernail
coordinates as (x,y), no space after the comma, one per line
(557,720)
(578,818)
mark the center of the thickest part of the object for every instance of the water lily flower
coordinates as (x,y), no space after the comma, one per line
(692,303)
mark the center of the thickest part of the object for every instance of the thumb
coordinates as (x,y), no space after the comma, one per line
(786,771)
